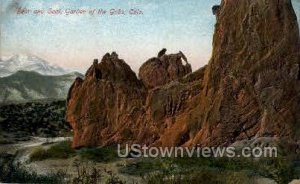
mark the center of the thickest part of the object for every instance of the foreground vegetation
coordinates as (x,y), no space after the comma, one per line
(60,150)
(11,172)
(41,118)
(214,170)
(64,150)
(159,171)
(173,170)
(87,173)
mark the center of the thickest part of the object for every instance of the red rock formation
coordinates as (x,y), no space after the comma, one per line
(101,105)
(250,88)
(251,81)
(162,70)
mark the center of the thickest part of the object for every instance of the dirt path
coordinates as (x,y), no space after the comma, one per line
(33,142)
(23,149)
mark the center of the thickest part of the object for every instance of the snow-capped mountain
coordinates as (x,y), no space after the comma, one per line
(9,66)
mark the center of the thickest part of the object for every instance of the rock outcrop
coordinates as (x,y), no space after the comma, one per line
(249,89)
(251,84)
(103,104)
(164,69)
(215,9)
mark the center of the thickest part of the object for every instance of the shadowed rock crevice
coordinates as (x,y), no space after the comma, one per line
(299,71)
(215,9)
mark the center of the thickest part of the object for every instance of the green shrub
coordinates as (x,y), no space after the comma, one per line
(105,154)
(202,176)
(5,141)
(17,173)
(87,172)
(144,166)
(60,150)
(38,153)
(278,169)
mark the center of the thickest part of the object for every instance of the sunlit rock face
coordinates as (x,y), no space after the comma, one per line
(251,86)
(162,70)
(112,105)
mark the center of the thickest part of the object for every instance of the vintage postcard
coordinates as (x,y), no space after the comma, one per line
(149,91)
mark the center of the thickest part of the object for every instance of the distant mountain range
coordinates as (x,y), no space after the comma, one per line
(27,86)
(29,63)
(28,78)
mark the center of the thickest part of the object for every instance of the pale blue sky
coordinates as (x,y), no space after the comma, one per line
(74,41)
